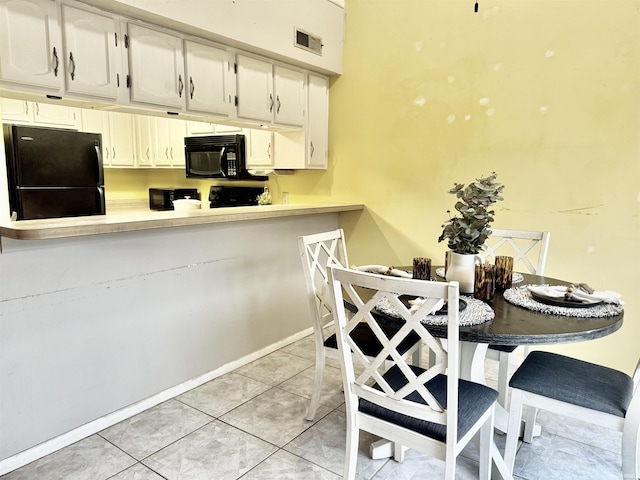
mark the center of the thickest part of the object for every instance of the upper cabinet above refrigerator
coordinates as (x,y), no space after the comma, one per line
(31,44)
(92,55)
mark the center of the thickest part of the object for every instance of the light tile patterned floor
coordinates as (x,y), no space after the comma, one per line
(249,424)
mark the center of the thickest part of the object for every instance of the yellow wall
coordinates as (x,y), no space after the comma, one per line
(544,92)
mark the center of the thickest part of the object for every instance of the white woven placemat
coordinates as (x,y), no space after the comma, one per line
(521,297)
(476,313)
(515,278)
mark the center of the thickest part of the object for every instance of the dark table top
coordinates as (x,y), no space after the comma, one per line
(515,325)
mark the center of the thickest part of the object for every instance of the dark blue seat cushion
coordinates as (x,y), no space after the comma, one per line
(369,343)
(503,348)
(473,400)
(574,381)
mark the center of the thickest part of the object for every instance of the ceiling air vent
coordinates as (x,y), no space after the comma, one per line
(307,41)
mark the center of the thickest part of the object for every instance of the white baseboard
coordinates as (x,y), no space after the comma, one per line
(38,451)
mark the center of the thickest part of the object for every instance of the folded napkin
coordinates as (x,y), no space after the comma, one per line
(381,269)
(416,303)
(559,292)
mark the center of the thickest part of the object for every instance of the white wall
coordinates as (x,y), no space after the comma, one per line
(90,325)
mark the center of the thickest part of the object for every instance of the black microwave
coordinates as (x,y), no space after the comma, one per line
(217,156)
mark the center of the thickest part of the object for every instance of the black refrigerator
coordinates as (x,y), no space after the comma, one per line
(53,172)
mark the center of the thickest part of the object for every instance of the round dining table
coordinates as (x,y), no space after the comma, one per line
(515,325)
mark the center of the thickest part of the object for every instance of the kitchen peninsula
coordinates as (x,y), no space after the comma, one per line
(103,317)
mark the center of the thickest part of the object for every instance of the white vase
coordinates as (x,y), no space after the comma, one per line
(461,268)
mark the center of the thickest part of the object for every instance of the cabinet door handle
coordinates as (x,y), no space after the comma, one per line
(192,87)
(147,153)
(72,63)
(180,85)
(166,153)
(312,149)
(56,62)
(271,102)
(269,150)
(37,109)
(26,106)
(113,157)
(171,153)
(278,99)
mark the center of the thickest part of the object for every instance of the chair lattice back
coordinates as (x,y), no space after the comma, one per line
(528,248)
(357,288)
(317,252)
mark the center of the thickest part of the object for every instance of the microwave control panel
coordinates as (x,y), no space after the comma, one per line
(232,165)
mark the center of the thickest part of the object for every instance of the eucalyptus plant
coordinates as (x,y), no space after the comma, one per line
(468,231)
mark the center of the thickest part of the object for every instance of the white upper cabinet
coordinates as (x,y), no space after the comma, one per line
(92,55)
(289,91)
(210,79)
(318,126)
(268,93)
(156,67)
(31,44)
(255,89)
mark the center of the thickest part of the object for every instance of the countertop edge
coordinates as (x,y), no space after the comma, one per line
(128,222)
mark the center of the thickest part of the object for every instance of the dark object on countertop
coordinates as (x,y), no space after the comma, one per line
(234,196)
(162,198)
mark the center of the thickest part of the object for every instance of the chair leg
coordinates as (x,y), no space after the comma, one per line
(631,442)
(530,424)
(503,379)
(513,429)
(416,357)
(398,452)
(486,439)
(317,383)
(351,458)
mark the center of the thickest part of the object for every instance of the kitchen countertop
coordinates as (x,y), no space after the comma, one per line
(127,220)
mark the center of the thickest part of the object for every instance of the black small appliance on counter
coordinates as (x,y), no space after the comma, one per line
(162,198)
(233,196)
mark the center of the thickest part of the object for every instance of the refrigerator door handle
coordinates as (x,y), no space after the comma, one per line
(100,165)
(102,201)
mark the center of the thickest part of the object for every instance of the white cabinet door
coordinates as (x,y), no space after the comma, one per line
(144,132)
(255,89)
(37,113)
(121,138)
(200,128)
(48,114)
(210,88)
(117,135)
(290,95)
(259,148)
(30,43)
(16,111)
(97,121)
(177,132)
(92,56)
(156,67)
(318,127)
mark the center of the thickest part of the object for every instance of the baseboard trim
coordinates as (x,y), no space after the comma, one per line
(38,451)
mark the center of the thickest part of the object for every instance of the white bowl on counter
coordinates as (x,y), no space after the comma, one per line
(186,204)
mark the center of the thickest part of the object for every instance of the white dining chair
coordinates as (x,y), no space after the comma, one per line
(425,409)
(529,252)
(581,390)
(317,252)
